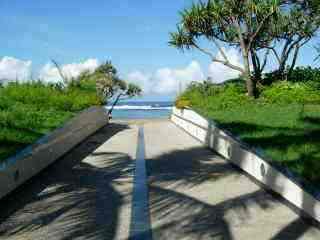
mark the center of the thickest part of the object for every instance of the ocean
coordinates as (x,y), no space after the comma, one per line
(141,110)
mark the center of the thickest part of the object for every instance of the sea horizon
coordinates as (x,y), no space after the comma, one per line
(141,109)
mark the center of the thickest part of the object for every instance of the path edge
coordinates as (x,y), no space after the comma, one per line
(16,170)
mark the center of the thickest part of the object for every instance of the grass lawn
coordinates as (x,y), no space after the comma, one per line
(289,132)
(29,111)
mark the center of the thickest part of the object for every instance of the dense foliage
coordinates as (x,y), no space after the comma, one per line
(108,84)
(284,121)
(299,74)
(29,110)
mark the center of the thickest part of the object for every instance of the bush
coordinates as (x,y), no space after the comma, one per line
(29,110)
(232,94)
(48,97)
(287,93)
(182,103)
(307,75)
(218,96)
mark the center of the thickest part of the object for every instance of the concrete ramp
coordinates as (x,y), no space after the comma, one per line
(192,193)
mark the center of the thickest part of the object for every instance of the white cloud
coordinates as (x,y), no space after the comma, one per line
(142,79)
(49,73)
(219,72)
(14,69)
(166,80)
(162,81)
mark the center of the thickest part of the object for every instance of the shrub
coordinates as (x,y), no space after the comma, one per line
(182,103)
(305,74)
(298,75)
(29,110)
(287,93)
(71,99)
(230,95)
(218,96)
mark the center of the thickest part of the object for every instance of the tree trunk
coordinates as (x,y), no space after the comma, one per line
(245,54)
(294,60)
(115,103)
(256,67)
(281,71)
(286,52)
(250,84)
(281,74)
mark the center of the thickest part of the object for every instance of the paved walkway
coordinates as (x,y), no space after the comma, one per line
(193,193)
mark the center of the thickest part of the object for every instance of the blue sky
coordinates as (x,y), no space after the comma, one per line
(133,34)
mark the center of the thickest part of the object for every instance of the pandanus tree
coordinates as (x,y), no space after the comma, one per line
(297,24)
(109,86)
(233,23)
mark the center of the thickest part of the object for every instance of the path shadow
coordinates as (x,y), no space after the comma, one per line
(72,197)
(293,230)
(179,215)
(189,216)
(311,120)
(188,167)
(200,220)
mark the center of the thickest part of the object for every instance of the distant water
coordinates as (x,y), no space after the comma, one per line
(141,110)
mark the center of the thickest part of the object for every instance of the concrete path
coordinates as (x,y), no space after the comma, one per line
(85,195)
(193,194)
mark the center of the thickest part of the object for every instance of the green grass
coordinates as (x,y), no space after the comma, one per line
(30,110)
(287,130)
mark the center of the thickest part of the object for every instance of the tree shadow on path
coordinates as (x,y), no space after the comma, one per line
(189,167)
(178,213)
(71,198)
(173,174)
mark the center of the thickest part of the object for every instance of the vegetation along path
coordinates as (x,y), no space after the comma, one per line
(176,189)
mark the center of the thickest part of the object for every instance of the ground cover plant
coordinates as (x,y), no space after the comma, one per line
(30,110)
(284,121)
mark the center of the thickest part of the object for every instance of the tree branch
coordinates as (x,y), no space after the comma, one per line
(241,39)
(265,60)
(294,60)
(296,53)
(60,71)
(255,62)
(115,103)
(255,34)
(304,42)
(230,65)
(273,51)
(205,51)
(221,50)
(276,54)
(286,50)
(214,59)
